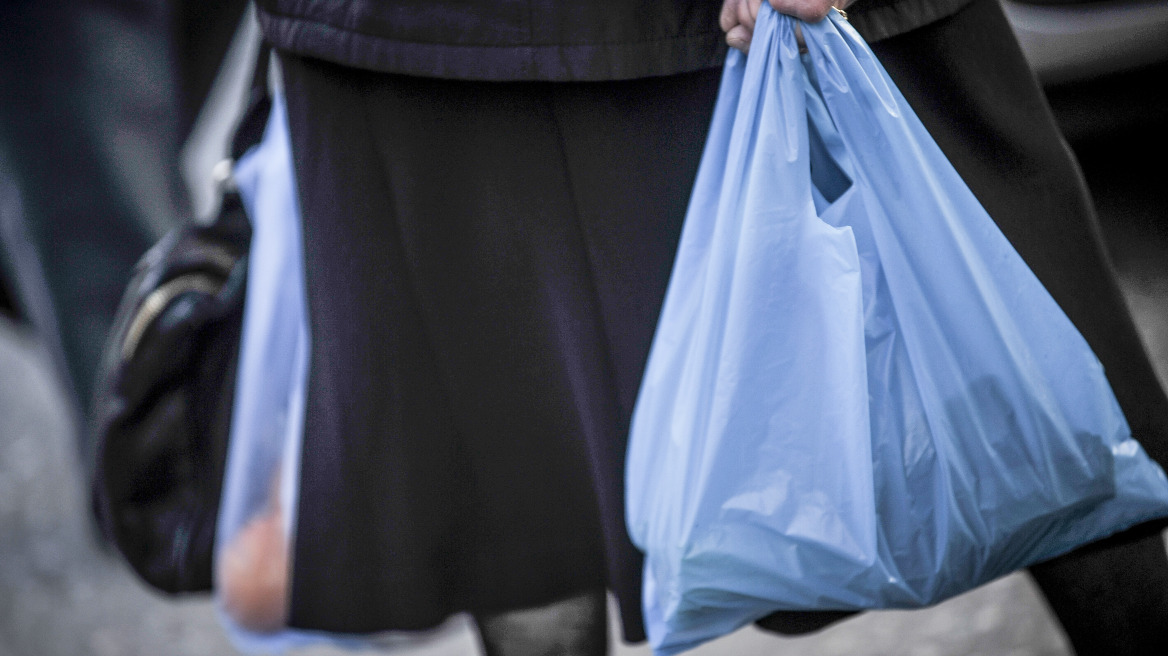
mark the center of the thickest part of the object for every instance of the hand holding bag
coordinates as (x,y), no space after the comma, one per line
(858,395)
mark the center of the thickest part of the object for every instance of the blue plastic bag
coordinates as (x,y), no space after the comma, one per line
(267,422)
(858,395)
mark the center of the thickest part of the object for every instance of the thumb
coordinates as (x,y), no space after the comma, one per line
(739,38)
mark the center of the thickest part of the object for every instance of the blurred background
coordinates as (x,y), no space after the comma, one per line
(112,115)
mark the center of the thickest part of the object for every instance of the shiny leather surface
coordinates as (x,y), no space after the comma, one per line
(163,402)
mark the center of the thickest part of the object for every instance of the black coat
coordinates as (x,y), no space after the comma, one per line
(536,39)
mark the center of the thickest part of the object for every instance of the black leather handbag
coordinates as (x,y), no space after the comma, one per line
(163,399)
(165,388)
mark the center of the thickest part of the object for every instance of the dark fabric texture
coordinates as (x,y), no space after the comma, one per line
(1112,596)
(505,40)
(537,39)
(880,19)
(485,266)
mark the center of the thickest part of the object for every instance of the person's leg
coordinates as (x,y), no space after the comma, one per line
(967,80)
(89,174)
(1110,596)
(576,626)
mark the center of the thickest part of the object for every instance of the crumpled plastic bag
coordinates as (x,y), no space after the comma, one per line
(858,396)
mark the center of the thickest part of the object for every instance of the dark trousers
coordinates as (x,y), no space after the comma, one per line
(96,97)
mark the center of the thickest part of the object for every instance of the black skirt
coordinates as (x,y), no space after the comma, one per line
(485,265)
